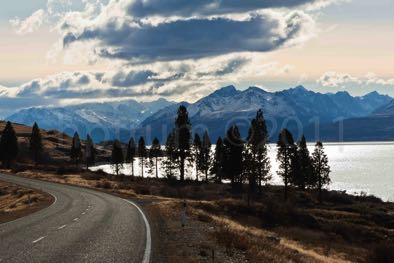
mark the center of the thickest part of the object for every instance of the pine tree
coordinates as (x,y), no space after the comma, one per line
(76,149)
(218,161)
(304,176)
(90,152)
(321,168)
(155,153)
(142,154)
(117,156)
(205,162)
(36,147)
(130,155)
(8,145)
(257,164)
(197,152)
(182,139)
(285,155)
(233,145)
(169,163)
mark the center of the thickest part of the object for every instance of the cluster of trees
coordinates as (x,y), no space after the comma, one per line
(234,159)
(9,148)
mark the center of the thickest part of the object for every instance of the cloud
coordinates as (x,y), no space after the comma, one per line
(146,8)
(30,24)
(195,38)
(334,79)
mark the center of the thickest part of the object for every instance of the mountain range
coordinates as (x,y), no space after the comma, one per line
(104,121)
(299,109)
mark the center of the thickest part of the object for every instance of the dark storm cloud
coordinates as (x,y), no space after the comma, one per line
(132,78)
(193,38)
(144,8)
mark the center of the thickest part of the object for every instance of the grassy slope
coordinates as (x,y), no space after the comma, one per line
(14,201)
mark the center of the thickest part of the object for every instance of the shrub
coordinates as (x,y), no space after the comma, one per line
(383,253)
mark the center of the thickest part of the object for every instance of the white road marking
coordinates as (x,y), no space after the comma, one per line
(61,227)
(38,240)
(148,246)
(76,219)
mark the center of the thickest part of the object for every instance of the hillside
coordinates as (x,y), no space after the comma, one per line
(56,145)
(378,126)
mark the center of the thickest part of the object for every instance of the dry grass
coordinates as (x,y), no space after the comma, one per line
(16,201)
(342,229)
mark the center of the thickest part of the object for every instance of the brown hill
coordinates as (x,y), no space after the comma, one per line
(56,145)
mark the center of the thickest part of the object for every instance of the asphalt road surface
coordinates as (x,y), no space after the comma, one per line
(82,225)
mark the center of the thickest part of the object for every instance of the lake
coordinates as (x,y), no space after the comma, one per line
(358,167)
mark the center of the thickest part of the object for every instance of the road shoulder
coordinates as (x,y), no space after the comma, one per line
(18,201)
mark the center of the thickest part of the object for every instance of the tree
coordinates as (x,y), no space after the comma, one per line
(285,155)
(142,154)
(76,149)
(155,153)
(197,153)
(233,145)
(218,161)
(117,156)
(130,155)
(36,147)
(320,167)
(205,154)
(182,138)
(169,163)
(257,164)
(304,175)
(8,145)
(90,151)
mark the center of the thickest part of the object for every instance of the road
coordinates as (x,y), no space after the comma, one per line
(82,225)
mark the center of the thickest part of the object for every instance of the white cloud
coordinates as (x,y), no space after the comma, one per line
(334,79)
(29,24)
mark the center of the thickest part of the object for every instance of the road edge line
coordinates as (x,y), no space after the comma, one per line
(148,245)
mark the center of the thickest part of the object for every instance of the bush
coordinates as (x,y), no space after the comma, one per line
(104,185)
(383,253)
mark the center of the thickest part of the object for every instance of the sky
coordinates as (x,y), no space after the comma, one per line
(61,52)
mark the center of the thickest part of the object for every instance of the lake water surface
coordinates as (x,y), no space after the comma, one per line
(355,167)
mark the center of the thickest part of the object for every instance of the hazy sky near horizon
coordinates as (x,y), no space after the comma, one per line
(57,52)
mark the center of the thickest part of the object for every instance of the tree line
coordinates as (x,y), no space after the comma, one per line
(235,160)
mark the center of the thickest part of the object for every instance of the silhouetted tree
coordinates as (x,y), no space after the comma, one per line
(285,156)
(169,163)
(321,168)
(182,139)
(233,145)
(205,162)
(8,145)
(304,174)
(117,156)
(76,149)
(36,147)
(142,154)
(197,153)
(130,154)
(257,164)
(154,154)
(218,161)
(90,152)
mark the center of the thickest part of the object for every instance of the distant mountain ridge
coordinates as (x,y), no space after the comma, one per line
(294,108)
(298,109)
(103,120)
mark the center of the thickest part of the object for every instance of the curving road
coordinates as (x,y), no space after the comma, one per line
(82,225)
